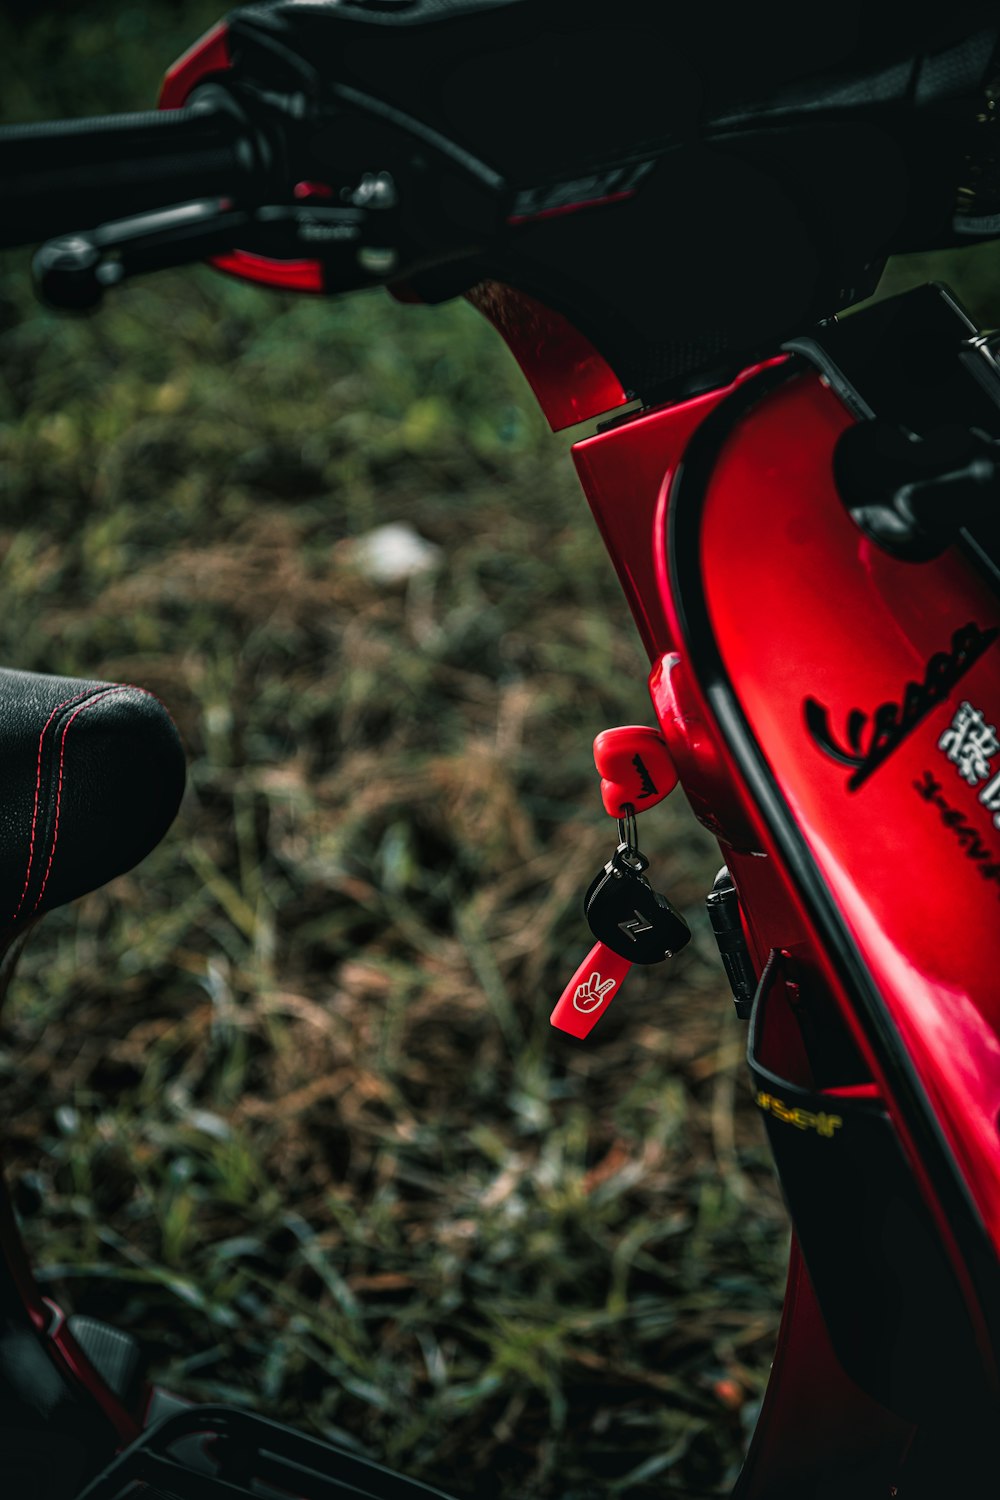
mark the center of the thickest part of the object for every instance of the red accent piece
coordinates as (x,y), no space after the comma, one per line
(207,58)
(288,275)
(208,55)
(571,208)
(635,768)
(571,380)
(627,474)
(703,765)
(589,993)
(853,1091)
(304,191)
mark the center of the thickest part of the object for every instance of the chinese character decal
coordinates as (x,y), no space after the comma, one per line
(990,798)
(970,744)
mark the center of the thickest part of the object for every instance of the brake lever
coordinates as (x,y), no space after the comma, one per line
(73,271)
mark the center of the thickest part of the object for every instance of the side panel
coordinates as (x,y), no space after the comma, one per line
(621,471)
(746,496)
(872,688)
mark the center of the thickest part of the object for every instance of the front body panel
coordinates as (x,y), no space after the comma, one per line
(832,629)
(790,657)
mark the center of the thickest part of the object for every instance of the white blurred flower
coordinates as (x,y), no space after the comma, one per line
(394,552)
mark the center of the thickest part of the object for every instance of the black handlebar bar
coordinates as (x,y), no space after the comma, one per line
(685,214)
(75,174)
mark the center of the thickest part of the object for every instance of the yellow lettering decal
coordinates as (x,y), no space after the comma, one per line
(802,1119)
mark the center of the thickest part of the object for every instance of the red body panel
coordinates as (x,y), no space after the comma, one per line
(570,380)
(622,473)
(803,605)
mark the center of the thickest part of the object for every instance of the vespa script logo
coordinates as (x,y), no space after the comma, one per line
(592,995)
(647,786)
(871,738)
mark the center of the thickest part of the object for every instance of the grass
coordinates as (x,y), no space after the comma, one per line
(284,1101)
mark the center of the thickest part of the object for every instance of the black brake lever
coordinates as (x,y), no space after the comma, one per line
(73,271)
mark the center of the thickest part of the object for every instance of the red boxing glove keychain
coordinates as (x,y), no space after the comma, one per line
(631,921)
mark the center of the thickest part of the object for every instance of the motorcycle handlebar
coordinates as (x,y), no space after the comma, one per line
(74,174)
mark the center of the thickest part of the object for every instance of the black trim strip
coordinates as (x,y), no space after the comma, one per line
(684,516)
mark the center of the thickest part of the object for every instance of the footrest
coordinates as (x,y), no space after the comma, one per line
(221,1453)
(116,1356)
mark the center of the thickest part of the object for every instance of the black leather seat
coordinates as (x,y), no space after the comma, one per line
(91,776)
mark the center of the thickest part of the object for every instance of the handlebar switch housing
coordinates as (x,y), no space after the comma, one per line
(914,495)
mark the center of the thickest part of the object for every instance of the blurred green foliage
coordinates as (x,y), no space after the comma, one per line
(284,1101)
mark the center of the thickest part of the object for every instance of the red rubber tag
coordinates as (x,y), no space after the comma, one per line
(635,767)
(591,990)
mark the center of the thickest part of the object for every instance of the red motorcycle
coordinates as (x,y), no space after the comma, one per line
(805,517)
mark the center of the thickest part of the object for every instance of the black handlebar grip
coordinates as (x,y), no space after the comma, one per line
(66,175)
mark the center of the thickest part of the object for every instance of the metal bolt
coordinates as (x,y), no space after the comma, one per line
(375,190)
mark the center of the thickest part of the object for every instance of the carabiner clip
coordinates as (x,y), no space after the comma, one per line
(628,839)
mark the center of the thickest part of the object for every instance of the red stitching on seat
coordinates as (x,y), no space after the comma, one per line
(38,787)
(118,688)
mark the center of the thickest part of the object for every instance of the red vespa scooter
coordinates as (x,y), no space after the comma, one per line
(803,515)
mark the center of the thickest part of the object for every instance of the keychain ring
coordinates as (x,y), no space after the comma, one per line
(628,833)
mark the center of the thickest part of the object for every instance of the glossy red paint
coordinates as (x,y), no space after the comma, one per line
(627,475)
(772,901)
(779,550)
(284,275)
(621,471)
(803,606)
(571,381)
(204,59)
(309,192)
(208,58)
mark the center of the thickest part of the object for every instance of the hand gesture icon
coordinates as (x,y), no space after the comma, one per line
(593,993)
(591,990)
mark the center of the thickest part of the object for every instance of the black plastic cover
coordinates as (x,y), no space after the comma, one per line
(220,1453)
